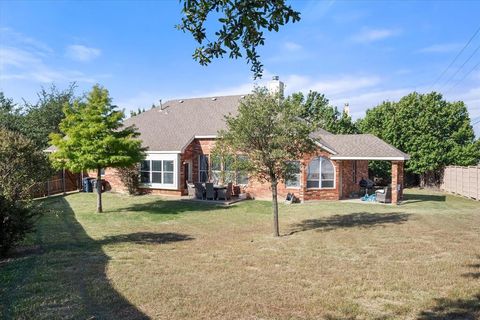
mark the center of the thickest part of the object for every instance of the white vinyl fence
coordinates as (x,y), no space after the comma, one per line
(464,181)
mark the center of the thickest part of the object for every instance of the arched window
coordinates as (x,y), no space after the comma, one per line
(321,173)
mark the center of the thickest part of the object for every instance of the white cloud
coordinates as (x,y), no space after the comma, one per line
(82,53)
(441,48)
(368,35)
(19,39)
(292,46)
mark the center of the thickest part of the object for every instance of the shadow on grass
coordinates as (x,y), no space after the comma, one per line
(415,197)
(473,274)
(450,309)
(68,278)
(352,220)
(146,238)
(169,207)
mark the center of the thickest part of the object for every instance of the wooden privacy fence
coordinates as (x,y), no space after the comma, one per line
(464,181)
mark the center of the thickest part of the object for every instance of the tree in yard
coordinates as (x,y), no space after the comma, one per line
(435,132)
(317,110)
(242,26)
(269,133)
(92,137)
(22,166)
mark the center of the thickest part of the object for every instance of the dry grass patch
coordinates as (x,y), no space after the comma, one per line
(148,257)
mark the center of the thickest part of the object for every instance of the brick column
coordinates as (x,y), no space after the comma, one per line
(397,181)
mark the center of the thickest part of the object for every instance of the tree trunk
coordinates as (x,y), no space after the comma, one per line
(99,190)
(276,229)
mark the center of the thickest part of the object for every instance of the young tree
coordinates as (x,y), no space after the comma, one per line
(241,26)
(269,133)
(92,137)
(317,110)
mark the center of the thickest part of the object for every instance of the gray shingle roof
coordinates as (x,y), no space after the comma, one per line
(360,146)
(172,128)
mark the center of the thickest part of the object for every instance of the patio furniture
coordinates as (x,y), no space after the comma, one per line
(384,195)
(210,191)
(199,191)
(225,193)
(191,190)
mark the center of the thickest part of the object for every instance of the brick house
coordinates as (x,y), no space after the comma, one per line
(180,136)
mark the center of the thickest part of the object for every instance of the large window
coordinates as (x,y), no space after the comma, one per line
(203,168)
(295,181)
(156,171)
(222,169)
(320,173)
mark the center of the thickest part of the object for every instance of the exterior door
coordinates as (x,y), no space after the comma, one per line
(187,169)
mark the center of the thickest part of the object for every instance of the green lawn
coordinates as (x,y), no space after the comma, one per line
(150,257)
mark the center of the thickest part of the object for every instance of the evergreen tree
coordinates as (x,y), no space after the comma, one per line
(92,137)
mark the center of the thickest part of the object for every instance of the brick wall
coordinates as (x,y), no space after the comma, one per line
(344,184)
(397,181)
(349,184)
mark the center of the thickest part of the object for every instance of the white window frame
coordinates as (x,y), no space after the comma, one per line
(202,170)
(162,157)
(298,177)
(320,187)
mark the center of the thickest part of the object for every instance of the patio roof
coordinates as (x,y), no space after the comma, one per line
(359,147)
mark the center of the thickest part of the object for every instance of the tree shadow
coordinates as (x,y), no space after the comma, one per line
(146,238)
(169,207)
(352,220)
(475,274)
(450,309)
(415,197)
(68,278)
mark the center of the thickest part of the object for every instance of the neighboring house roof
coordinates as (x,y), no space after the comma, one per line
(173,126)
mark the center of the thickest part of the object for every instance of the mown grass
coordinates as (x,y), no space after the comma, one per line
(149,257)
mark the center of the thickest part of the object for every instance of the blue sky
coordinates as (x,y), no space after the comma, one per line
(356,52)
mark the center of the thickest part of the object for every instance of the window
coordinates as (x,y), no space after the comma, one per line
(222,170)
(320,173)
(242,176)
(295,181)
(203,168)
(354,171)
(156,171)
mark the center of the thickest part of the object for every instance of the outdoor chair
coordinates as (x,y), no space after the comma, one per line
(210,192)
(225,194)
(384,195)
(199,191)
(191,190)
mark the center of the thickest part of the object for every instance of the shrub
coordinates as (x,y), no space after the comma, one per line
(16,220)
(22,165)
(130,178)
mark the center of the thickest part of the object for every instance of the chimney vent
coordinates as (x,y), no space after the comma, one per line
(181,101)
(346,109)
(275,86)
(213,99)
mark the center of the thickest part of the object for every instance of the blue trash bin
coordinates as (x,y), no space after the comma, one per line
(87,184)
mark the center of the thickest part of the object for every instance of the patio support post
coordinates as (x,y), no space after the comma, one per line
(397,181)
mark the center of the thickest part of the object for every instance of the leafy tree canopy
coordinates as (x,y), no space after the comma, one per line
(317,110)
(242,26)
(269,133)
(433,131)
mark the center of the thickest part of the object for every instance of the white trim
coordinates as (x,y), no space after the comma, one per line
(370,158)
(162,152)
(164,157)
(325,147)
(196,137)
